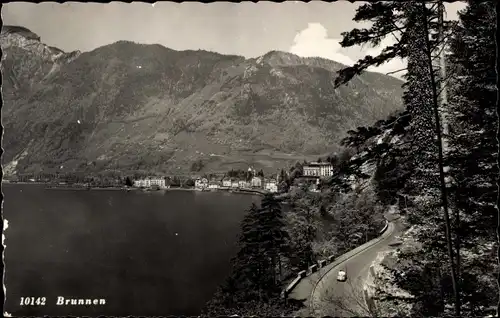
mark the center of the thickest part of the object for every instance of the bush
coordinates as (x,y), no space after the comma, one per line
(189,183)
(197,166)
(355,218)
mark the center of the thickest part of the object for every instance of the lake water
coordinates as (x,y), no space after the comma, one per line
(156,253)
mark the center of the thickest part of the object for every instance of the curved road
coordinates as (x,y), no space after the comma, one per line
(325,296)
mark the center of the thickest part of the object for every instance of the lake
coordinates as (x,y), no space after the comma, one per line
(153,253)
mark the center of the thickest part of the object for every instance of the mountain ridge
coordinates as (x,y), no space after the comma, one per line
(107,108)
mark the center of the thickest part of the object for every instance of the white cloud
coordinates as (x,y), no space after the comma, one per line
(314,42)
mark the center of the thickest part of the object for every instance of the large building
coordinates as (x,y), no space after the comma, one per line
(318,169)
(149,182)
(214,184)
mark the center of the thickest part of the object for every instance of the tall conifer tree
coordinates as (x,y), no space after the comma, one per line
(473,157)
(418,31)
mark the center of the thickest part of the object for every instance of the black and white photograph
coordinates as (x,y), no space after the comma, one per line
(250,159)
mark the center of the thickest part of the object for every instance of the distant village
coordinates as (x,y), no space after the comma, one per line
(308,176)
(312,173)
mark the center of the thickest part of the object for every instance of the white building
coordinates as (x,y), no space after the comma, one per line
(141,183)
(160,182)
(318,169)
(149,182)
(201,183)
(214,184)
(243,184)
(271,185)
(226,182)
(235,184)
(256,182)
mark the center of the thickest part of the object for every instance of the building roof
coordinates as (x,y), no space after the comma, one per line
(313,164)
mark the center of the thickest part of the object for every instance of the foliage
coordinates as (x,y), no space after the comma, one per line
(273,244)
(175,182)
(189,183)
(394,164)
(128,182)
(296,171)
(303,224)
(410,169)
(357,218)
(389,18)
(260,173)
(358,137)
(241,174)
(347,166)
(257,268)
(334,223)
(473,160)
(197,165)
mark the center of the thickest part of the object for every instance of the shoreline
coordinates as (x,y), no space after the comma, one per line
(50,186)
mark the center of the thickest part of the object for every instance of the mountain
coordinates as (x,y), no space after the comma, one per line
(129,107)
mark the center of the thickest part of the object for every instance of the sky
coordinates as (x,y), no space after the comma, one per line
(247,29)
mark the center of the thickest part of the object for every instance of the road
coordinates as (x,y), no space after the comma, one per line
(325,296)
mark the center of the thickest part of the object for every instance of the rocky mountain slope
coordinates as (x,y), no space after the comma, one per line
(129,106)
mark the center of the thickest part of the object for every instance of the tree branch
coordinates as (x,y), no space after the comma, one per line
(363,36)
(346,74)
(392,72)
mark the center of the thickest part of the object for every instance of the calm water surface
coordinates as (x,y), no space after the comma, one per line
(145,253)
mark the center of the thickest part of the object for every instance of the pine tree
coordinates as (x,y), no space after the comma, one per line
(260,173)
(256,274)
(303,232)
(419,38)
(395,165)
(128,182)
(274,235)
(423,278)
(253,266)
(473,161)
(357,137)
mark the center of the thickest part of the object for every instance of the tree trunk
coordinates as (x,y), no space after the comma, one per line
(273,267)
(279,264)
(446,133)
(441,289)
(497,203)
(444,197)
